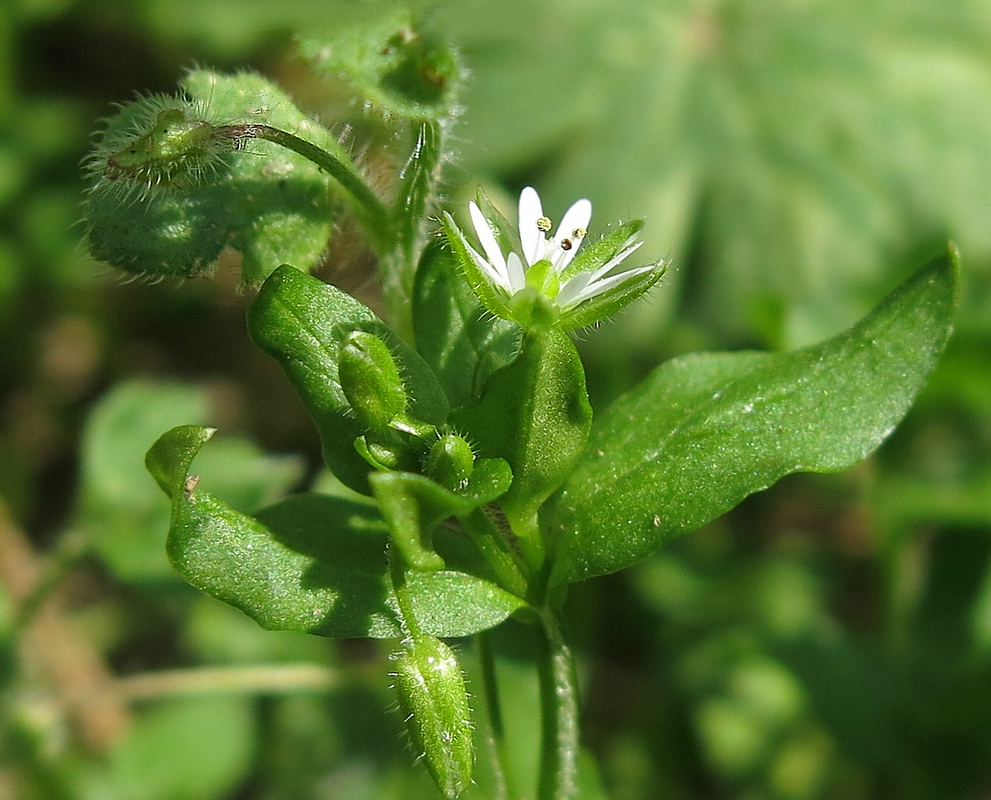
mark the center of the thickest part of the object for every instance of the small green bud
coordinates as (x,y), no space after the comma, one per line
(370,380)
(433,698)
(450,462)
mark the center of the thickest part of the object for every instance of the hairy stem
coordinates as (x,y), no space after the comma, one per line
(372,211)
(559,715)
(509,567)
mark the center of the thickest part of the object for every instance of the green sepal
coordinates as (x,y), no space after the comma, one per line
(490,297)
(301,322)
(507,234)
(462,343)
(535,414)
(706,430)
(593,255)
(311,563)
(596,254)
(413,505)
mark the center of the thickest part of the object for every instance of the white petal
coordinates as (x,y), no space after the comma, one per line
(484,232)
(616,260)
(490,272)
(575,218)
(572,288)
(531,237)
(517,276)
(596,288)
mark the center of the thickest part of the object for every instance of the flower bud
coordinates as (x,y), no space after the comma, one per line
(434,701)
(370,380)
(450,462)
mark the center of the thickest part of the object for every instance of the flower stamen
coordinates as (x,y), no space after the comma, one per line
(544,224)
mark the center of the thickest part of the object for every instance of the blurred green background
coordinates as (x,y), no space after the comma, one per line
(831,638)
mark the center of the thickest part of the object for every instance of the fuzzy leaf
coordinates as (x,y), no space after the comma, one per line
(395,62)
(704,431)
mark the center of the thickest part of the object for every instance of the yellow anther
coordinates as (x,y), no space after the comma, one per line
(544,224)
(579,233)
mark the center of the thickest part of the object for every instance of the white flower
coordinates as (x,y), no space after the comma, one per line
(516,274)
(509,272)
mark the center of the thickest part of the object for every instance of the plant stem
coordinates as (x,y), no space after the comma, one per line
(373,212)
(559,714)
(397,571)
(510,568)
(497,731)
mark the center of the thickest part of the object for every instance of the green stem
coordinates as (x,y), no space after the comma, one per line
(510,569)
(559,715)
(398,573)
(373,212)
(497,737)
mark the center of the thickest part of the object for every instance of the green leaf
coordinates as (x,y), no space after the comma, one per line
(535,414)
(121,512)
(461,342)
(397,63)
(310,563)
(704,431)
(302,322)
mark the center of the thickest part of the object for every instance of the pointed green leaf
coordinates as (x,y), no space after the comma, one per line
(302,322)
(462,343)
(310,563)
(704,431)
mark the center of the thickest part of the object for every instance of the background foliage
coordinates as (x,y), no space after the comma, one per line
(829,638)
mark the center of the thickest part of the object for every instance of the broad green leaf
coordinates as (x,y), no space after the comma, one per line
(535,414)
(462,343)
(704,431)
(121,512)
(272,205)
(310,563)
(301,322)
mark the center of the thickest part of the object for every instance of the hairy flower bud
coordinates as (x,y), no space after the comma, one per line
(450,462)
(370,380)
(433,698)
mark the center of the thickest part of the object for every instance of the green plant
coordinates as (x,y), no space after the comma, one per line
(477,486)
